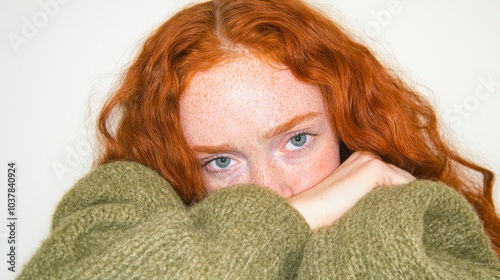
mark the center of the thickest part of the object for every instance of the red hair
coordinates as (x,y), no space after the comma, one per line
(371,109)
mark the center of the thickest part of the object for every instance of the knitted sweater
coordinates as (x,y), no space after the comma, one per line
(124,221)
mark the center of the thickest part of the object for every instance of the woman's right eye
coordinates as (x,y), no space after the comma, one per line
(222,162)
(219,164)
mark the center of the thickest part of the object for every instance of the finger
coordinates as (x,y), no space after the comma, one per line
(396,176)
(352,158)
(360,157)
(402,172)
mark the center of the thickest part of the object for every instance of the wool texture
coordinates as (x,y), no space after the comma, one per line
(124,221)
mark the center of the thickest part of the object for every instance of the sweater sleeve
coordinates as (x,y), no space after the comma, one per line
(123,221)
(422,230)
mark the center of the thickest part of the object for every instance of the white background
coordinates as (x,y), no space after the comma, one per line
(59,59)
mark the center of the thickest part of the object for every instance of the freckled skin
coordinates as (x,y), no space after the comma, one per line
(235,103)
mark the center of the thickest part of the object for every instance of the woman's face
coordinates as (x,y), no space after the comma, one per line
(251,123)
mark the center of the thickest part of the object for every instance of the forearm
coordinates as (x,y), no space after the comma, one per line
(124,222)
(419,230)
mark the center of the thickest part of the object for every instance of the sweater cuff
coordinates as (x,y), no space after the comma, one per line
(264,225)
(419,230)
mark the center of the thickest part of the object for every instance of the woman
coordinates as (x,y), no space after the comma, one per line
(273,127)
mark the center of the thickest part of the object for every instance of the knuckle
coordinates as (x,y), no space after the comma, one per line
(367,155)
(376,164)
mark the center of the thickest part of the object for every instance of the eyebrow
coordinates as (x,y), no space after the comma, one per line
(213,149)
(279,129)
(293,122)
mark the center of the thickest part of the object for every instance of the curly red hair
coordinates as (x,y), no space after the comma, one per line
(371,109)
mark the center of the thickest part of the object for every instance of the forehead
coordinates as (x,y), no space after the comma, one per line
(243,94)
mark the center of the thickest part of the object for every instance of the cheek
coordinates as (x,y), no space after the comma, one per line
(310,175)
(212,183)
(210,187)
(315,169)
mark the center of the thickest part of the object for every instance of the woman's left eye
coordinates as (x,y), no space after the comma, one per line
(297,141)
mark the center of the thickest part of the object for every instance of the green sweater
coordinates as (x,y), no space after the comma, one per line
(124,221)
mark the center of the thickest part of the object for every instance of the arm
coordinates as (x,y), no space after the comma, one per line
(325,203)
(420,230)
(124,221)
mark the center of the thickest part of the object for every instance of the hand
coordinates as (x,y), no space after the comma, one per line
(326,202)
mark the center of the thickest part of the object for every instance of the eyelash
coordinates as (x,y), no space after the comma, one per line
(307,132)
(209,160)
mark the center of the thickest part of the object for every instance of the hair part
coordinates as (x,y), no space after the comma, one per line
(364,99)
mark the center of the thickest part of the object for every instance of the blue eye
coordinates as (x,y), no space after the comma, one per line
(222,162)
(299,140)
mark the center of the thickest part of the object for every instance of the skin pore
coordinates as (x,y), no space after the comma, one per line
(252,123)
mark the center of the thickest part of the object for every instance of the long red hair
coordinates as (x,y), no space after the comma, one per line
(371,108)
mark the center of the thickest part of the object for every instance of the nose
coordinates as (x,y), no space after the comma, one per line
(271,175)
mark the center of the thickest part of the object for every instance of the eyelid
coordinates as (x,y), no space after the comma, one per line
(209,159)
(307,131)
(213,171)
(310,132)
